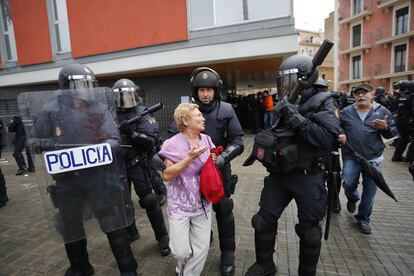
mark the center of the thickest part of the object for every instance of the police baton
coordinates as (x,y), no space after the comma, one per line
(301,84)
(332,190)
(316,61)
(147,111)
(66,146)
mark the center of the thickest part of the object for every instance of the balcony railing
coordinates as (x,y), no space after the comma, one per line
(348,45)
(346,15)
(392,32)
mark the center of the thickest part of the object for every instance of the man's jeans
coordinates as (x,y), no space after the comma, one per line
(350,176)
(268,119)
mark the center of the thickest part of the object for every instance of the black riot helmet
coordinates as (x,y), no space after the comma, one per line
(76,76)
(125,93)
(293,69)
(208,78)
(379,91)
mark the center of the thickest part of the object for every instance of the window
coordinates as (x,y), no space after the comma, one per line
(7,31)
(209,13)
(356,35)
(401,22)
(400,53)
(357,6)
(8,107)
(356,67)
(61,26)
(323,76)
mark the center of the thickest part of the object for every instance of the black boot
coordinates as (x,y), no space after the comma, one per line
(264,243)
(309,248)
(226,235)
(121,249)
(78,258)
(227,263)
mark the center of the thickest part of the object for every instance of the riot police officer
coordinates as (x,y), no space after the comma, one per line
(142,136)
(222,125)
(73,118)
(313,127)
(405,121)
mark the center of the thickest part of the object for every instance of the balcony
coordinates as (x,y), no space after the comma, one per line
(347,46)
(385,4)
(346,16)
(388,34)
(344,79)
(382,71)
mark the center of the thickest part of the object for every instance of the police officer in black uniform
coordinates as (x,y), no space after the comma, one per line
(224,129)
(405,121)
(16,126)
(71,119)
(315,129)
(142,136)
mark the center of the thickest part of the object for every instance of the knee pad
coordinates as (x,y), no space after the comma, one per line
(149,201)
(309,236)
(261,225)
(224,207)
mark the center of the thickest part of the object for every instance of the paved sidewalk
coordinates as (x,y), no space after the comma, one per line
(26,247)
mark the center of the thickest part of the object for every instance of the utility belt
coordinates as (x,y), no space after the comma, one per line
(140,159)
(278,153)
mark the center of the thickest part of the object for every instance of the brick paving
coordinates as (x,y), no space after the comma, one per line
(27,248)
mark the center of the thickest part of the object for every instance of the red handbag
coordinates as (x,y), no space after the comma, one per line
(211,181)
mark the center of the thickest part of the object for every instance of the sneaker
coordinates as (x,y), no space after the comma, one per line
(351,206)
(364,227)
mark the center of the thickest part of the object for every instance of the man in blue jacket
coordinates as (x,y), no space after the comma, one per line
(363,124)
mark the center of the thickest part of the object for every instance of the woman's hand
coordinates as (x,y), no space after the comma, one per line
(196,152)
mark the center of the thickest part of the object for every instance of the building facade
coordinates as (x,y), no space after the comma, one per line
(156,43)
(376,42)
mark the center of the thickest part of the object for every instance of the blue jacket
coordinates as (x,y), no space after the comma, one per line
(363,137)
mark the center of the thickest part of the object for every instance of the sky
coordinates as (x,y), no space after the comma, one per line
(310,14)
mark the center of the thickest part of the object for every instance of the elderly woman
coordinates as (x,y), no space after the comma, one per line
(188,213)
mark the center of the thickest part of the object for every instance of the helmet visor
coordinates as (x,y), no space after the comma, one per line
(126,97)
(82,82)
(286,81)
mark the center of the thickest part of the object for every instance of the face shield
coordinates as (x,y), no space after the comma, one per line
(126,97)
(82,82)
(286,81)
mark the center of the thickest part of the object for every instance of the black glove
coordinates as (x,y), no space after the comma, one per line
(40,145)
(220,161)
(126,128)
(158,162)
(291,115)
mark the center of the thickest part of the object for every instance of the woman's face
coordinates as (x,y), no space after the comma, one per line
(196,121)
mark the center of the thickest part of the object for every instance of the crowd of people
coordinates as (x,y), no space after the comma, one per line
(307,131)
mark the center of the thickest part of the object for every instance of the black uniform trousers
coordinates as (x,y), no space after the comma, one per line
(74,195)
(141,179)
(310,195)
(402,142)
(224,213)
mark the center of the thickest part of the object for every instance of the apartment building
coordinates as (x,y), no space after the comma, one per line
(376,42)
(156,43)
